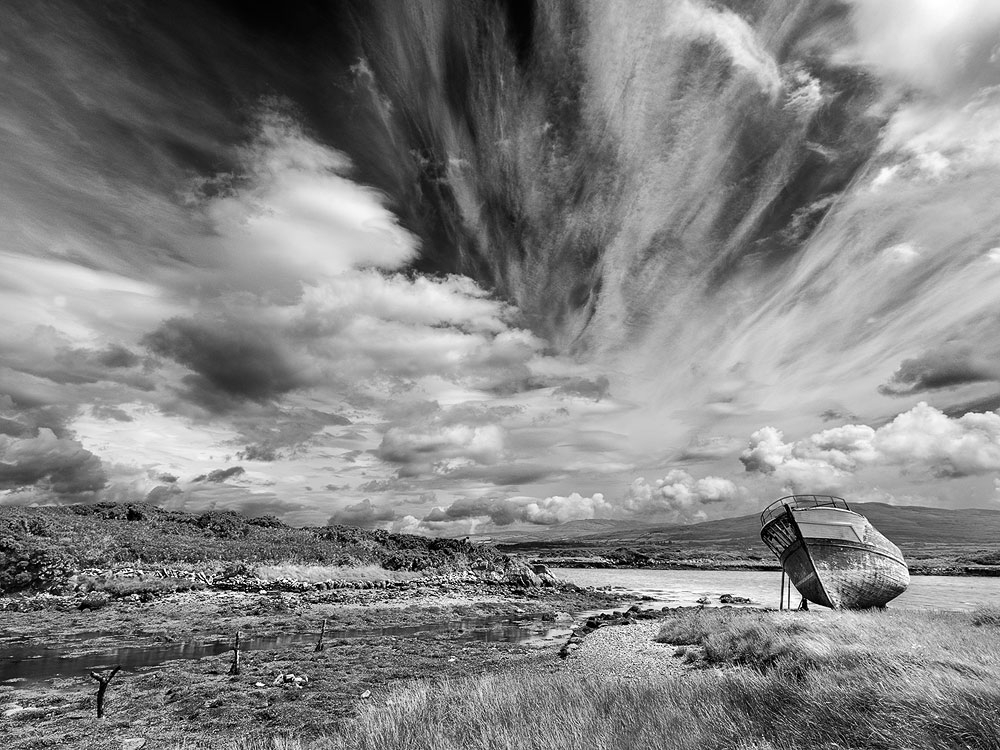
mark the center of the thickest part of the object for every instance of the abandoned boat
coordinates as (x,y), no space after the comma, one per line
(833,555)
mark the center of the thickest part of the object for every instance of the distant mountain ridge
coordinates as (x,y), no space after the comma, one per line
(907,525)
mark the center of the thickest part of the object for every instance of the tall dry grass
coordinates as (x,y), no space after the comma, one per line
(769,681)
(774,681)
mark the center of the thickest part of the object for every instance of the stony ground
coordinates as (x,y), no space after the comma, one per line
(626,652)
(187,699)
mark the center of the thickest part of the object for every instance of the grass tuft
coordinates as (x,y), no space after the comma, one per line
(880,680)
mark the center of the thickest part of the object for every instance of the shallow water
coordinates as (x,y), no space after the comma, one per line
(32,663)
(685,587)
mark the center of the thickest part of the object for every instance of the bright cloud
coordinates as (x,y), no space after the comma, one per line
(730,219)
(676,498)
(922,440)
(680,498)
(927,43)
(505,511)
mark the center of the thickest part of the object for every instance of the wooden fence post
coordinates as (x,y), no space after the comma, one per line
(322,632)
(102,688)
(235,668)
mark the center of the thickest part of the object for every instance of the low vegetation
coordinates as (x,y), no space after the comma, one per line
(41,546)
(770,681)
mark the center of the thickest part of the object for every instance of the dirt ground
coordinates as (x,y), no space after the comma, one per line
(198,703)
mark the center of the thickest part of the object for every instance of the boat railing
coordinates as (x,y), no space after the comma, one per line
(776,508)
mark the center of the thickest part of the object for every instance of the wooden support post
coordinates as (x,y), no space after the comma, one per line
(781,592)
(102,688)
(322,632)
(235,668)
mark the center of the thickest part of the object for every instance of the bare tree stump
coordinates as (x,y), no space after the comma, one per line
(102,688)
(235,668)
(322,632)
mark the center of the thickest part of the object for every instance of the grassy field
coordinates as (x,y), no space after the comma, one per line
(754,681)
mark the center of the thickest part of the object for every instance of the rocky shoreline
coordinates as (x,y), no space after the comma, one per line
(94,588)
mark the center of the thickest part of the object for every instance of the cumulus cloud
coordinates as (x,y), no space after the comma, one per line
(104,411)
(293,192)
(47,353)
(596,389)
(947,367)
(363,514)
(332,308)
(678,497)
(265,453)
(427,439)
(220,475)
(922,439)
(49,463)
(477,443)
(505,511)
(231,361)
(368,323)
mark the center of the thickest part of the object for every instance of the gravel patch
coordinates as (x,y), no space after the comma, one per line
(626,652)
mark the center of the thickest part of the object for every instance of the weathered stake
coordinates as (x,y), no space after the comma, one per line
(322,632)
(235,668)
(102,688)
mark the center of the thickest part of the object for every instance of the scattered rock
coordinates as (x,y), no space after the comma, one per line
(133,743)
(367,694)
(95,600)
(290,680)
(730,599)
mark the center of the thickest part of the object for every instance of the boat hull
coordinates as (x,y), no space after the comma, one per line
(836,558)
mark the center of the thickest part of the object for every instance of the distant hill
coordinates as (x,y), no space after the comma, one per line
(907,525)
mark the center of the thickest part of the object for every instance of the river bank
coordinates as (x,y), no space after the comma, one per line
(676,678)
(718,680)
(374,637)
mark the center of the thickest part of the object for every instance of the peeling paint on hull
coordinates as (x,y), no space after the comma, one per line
(836,558)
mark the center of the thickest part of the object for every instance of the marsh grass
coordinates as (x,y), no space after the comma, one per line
(760,681)
(773,681)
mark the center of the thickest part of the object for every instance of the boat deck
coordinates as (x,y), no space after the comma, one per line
(801,502)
